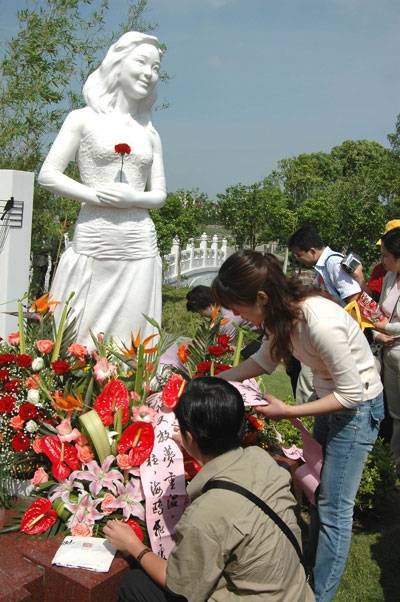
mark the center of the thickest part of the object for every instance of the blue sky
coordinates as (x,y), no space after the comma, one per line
(255,81)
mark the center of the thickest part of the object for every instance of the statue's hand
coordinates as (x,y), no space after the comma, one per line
(120,196)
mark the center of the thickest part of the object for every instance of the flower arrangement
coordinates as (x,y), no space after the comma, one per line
(76,424)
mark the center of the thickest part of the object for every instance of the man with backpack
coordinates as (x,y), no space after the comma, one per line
(308,247)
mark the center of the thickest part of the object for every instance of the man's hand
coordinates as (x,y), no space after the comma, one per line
(385,339)
(122,537)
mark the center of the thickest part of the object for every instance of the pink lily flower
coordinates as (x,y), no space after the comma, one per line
(100,476)
(84,511)
(64,489)
(129,498)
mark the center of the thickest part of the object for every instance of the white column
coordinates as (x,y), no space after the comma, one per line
(15,234)
(224,250)
(214,250)
(175,252)
(203,248)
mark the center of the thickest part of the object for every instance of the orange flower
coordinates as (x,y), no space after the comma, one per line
(67,403)
(183,353)
(44,304)
(214,312)
(130,353)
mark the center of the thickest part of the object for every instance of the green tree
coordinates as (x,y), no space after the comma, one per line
(304,176)
(58,44)
(184,215)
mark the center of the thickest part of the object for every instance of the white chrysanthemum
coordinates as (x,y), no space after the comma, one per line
(31,426)
(37,364)
(33,396)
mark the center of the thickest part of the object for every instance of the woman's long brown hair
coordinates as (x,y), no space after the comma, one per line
(243,275)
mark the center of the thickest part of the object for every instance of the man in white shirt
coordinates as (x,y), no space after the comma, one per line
(308,247)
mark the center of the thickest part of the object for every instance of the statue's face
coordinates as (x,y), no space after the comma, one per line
(140,71)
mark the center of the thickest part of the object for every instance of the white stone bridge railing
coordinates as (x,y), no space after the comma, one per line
(198,263)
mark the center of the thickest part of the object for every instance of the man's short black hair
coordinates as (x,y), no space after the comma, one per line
(305,238)
(199,298)
(212,410)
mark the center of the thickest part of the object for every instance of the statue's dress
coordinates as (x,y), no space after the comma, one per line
(112,264)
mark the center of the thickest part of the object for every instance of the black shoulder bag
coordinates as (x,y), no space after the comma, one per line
(219,484)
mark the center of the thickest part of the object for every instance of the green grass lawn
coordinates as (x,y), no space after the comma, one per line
(373,568)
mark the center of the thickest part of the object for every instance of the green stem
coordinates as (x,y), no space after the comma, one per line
(22,347)
(60,330)
(239,343)
(139,370)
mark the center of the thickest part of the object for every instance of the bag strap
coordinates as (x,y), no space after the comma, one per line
(219,484)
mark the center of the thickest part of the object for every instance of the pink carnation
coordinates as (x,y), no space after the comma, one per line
(13,338)
(17,423)
(85,454)
(37,445)
(66,432)
(81,530)
(123,462)
(32,382)
(108,503)
(78,351)
(44,345)
(39,477)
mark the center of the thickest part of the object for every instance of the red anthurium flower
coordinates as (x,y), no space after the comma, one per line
(122,149)
(173,390)
(223,340)
(6,404)
(191,466)
(136,528)
(62,455)
(114,396)
(23,360)
(39,517)
(216,350)
(137,441)
(20,442)
(28,411)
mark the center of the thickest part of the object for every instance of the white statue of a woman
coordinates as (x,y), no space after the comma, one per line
(113,264)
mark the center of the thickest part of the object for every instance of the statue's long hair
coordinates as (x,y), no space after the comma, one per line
(101,87)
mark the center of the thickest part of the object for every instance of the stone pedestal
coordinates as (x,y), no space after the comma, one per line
(27,575)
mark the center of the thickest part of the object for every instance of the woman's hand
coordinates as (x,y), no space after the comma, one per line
(122,537)
(276,408)
(385,339)
(381,325)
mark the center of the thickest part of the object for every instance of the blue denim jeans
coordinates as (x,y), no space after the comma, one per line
(347,437)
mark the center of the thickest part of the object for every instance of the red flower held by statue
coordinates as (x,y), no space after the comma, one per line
(137,441)
(122,149)
(114,396)
(39,517)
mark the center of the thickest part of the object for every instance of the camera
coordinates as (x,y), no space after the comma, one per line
(350,262)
